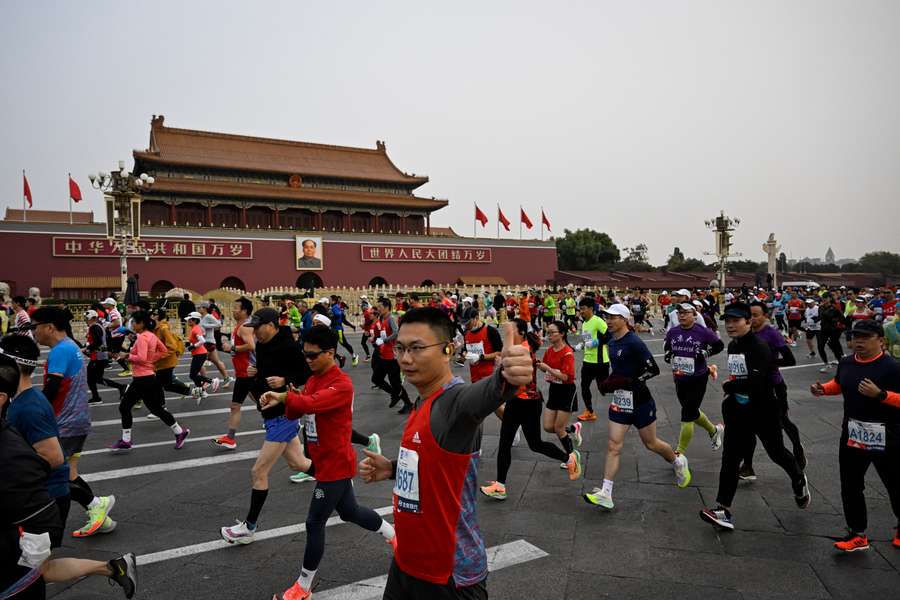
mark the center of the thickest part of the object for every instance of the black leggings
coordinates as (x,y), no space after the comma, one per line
(167,381)
(364,342)
(690,392)
(787,425)
(145,388)
(591,372)
(328,497)
(197,362)
(854,462)
(389,368)
(95,369)
(342,338)
(527,415)
(832,339)
(743,423)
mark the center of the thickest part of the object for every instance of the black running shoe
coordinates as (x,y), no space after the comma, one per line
(97,400)
(124,572)
(746,474)
(801,493)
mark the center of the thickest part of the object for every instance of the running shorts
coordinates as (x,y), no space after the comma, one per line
(562,396)
(72,446)
(242,387)
(210,346)
(281,429)
(643,414)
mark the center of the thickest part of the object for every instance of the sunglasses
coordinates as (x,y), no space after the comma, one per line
(313,355)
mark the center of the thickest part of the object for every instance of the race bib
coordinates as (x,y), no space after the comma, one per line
(866,436)
(623,400)
(477,348)
(737,365)
(406,487)
(587,337)
(309,426)
(683,365)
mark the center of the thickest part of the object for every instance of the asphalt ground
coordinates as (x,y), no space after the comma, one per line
(547,542)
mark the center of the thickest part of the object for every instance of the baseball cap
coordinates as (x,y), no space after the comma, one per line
(204,304)
(682,292)
(468,299)
(108,301)
(686,306)
(320,318)
(90,314)
(193,315)
(261,317)
(737,309)
(867,327)
(619,310)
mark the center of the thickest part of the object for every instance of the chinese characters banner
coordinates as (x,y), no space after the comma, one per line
(391,253)
(82,247)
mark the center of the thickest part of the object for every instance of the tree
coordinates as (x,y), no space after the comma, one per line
(880,262)
(677,262)
(693,264)
(851,268)
(746,266)
(586,250)
(635,259)
(781,264)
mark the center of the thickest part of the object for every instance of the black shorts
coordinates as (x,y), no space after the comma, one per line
(690,391)
(639,319)
(242,387)
(562,396)
(210,346)
(401,586)
(72,446)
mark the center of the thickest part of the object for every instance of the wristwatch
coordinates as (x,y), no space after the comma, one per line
(882,396)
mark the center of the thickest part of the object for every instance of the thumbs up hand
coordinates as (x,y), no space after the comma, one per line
(515,359)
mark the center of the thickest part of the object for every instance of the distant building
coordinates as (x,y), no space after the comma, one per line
(829,256)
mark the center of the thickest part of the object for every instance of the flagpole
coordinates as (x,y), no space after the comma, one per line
(70,202)
(474,222)
(498,220)
(542,223)
(520,221)
(24,210)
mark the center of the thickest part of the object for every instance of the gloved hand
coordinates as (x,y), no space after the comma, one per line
(35,548)
(379,341)
(667,357)
(472,357)
(616,382)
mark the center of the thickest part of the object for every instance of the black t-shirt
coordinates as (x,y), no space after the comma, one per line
(885,373)
(23,477)
(279,357)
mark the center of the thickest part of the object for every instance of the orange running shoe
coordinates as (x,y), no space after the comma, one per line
(896,538)
(295,592)
(852,542)
(227,442)
(587,415)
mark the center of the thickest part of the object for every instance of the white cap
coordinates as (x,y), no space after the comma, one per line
(193,315)
(468,299)
(319,318)
(617,309)
(686,306)
(108,301)
(810,301)
(697,303)
(324,301)
(90,314)
(682,292)
(453,296)
(663,292)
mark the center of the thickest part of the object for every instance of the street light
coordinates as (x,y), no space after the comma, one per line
(121,191)
(722,226)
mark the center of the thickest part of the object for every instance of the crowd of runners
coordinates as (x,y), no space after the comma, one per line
(291,357)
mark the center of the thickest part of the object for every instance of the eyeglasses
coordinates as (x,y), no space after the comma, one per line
(416,350)
(313,355)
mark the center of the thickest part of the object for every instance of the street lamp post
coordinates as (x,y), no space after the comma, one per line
(121,191)
(722,227)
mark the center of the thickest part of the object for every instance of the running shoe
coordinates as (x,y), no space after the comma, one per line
(213,386)
(825,369)
(108,526)
(682,471)
(238,534)
(746,473)
(341,360)
(394,401)
(577,432)
(125,373)
(852,542)
(717,437)
(598,498)
(564,466)
(227,442)
(301,477)
(180,437)
(97,400)
(124,572)
(720,517)
(811,355)
(574,465)
(137,405)
(367,359)
(355,360)
(151,417)
(96,516)
(801,493)
(896,542)
(374,444)
(295,592)
(587,415)
(495,490)
(226,383)
(121,446)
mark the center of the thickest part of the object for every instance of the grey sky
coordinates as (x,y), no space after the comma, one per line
(640,119)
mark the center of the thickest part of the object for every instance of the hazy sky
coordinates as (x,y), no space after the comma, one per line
(640,119)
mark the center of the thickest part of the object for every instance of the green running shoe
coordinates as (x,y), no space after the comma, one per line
(301,477)
(598,498)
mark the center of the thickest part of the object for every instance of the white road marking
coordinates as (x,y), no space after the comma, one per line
(219,544)
(172,466)
(173,396)
(169,442)
(499,557)
(195,413)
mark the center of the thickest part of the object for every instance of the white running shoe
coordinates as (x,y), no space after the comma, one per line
(227,382)
(825,369)
(213,386)
(578,438)
(238,534)
(716,438)
(682,472)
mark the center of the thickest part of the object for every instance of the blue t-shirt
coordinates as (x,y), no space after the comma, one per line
(337,317)
(630,357)
(30,413)
(73,415)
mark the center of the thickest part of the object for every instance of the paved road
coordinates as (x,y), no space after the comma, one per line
(548,543)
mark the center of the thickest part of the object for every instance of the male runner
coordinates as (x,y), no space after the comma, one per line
(241,348)
(385,332)
(595,366)
(98,358)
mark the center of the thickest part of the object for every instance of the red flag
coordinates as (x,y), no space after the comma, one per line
(502,218)
(74,190)
(545,220)
(525,220)
(480,216)
(27,189)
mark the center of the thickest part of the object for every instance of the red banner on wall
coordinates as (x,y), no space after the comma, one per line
(398,253)
(84,247)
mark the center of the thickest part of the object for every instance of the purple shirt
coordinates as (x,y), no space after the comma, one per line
(686,345)
(776,342)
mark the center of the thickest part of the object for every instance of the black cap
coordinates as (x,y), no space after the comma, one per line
(263,316)
(737,309)
(867,327)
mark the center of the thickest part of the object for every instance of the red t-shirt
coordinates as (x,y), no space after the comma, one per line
(795,309)
(563,360)
(196,334)
(326,405)
(239,360)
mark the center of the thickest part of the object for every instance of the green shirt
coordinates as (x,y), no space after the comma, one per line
(549,306)
(294,316)
(569,303)
(592,329)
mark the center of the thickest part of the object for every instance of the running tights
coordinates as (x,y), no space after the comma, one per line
(527,415)
(790,430)
(95,369)
(145,388)
(328,497)
(832,339)
(197,362)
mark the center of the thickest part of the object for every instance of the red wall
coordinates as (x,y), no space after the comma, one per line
(28,261)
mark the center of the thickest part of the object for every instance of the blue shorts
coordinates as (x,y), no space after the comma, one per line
(281,429)
(642,415)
